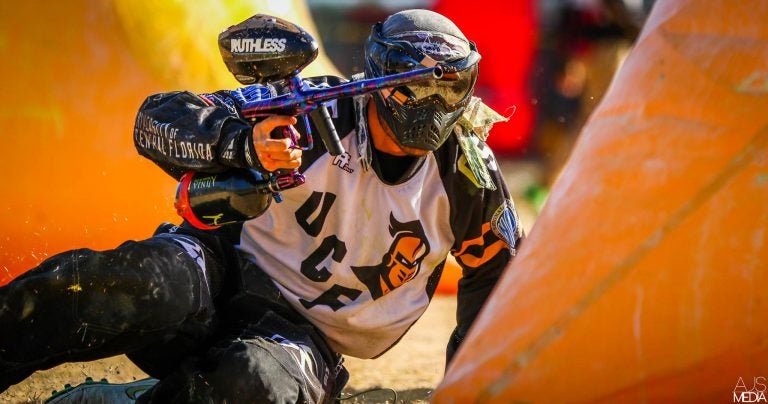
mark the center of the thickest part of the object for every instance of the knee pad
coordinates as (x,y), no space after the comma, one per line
(261,375)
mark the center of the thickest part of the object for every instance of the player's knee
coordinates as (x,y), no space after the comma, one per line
(44,289)
(147,286)
(248,373)
(140,286)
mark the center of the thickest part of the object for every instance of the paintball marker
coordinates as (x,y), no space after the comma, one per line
(265,49)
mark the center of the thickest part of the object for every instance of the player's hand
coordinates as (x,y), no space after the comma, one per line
(275,154)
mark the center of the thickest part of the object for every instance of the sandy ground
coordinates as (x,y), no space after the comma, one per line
(413,368)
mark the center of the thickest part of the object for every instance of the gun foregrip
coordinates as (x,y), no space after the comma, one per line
(327,130)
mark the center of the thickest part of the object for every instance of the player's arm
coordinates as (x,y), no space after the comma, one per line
(182,131)
(488,232)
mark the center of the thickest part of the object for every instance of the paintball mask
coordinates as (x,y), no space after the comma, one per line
(422,115)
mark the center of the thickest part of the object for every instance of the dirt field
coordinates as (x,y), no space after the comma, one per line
(412,368)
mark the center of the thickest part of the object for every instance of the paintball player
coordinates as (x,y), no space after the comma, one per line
(262,311)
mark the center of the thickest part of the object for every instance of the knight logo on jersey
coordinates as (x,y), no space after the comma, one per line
(401,263)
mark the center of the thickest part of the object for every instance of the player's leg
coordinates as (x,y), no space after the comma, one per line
(83,304)
(266,352)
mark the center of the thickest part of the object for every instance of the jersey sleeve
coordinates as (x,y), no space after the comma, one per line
(487,231)
(182,131)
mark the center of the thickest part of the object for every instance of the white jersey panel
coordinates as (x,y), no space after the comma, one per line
(363,299)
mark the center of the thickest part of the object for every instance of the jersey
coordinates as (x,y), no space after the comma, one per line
(359,256)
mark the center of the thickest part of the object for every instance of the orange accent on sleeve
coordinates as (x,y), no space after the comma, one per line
(489,252)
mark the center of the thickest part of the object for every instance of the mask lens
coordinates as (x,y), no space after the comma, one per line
(452,91)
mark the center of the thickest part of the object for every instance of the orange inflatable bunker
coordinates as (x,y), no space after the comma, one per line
(645,278)
(74,74)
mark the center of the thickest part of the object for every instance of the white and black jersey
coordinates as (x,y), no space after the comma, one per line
(358,252)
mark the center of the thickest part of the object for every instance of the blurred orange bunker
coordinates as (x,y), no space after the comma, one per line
(645,278)
(74,76)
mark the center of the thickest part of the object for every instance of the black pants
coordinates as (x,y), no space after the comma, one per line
(184,306)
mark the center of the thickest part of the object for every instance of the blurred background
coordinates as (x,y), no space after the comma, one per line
(546,63)
(75,74)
